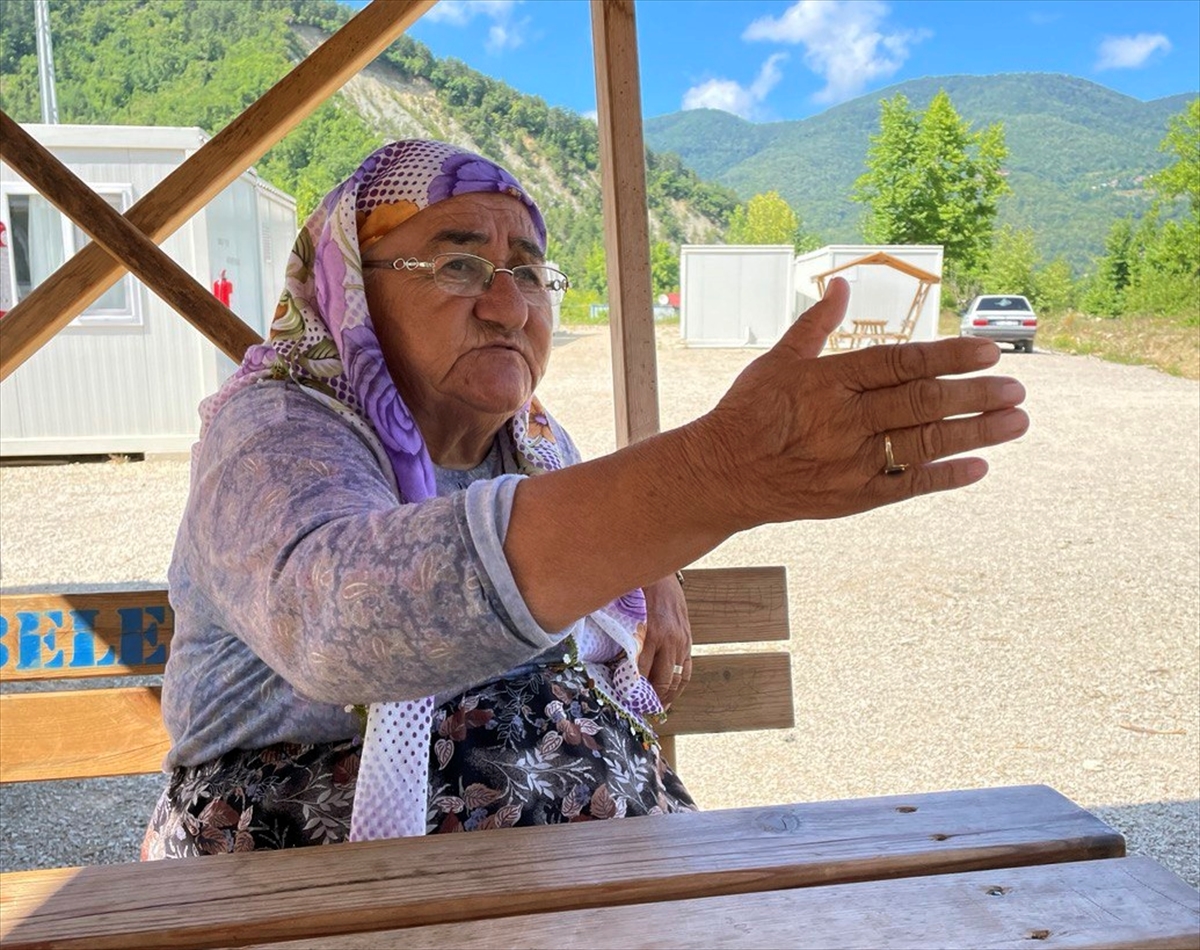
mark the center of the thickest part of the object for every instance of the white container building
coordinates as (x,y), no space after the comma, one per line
(735,294)
(127,374)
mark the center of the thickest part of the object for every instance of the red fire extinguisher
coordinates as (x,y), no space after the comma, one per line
(223,289)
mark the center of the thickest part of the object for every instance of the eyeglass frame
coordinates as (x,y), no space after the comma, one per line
(403,264)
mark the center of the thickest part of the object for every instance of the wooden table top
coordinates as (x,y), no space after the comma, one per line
(489,888)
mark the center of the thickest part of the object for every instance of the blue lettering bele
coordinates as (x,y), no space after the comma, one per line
(67,639)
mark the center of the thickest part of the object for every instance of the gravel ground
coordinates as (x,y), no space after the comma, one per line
(1040,627)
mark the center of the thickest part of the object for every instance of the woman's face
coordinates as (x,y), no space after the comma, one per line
(458,361)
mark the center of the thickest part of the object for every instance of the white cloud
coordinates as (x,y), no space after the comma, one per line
(843,42)
(462,12)
(502,36)
(1130,52)
(730,96)
(504,33)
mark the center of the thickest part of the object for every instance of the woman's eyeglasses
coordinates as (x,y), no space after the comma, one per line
(466,275)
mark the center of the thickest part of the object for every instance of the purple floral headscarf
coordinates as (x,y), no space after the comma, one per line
(323,339)
(322,335)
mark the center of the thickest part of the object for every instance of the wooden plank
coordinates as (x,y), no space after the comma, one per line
(733,694)
(72,635)
(240,899)
(69,635)
(81,734)
(626,226)
(103,732)
(1128,902)
(737,604)
(82,279)
(190,299)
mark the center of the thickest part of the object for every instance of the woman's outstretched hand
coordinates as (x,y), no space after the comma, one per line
(801,437)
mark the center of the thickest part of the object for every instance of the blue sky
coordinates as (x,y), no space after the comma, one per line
(769,60)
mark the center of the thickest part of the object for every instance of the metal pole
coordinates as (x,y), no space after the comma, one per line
(45,56)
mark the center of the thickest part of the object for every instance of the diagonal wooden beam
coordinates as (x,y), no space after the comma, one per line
(69,290)
(626,227)
(123,241)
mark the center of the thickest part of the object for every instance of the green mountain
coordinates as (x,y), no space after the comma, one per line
(1079,153)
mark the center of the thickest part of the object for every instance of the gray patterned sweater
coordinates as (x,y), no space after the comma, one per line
(300,584)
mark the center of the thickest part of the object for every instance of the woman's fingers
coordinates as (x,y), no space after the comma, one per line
(919,445)
(930,400)
(881,367)
(665,655)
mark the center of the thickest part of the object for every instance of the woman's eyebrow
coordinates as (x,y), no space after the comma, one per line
(458,236)
(529,247)
(461,238)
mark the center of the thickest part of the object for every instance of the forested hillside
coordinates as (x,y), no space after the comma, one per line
(200,62)
(1078,153)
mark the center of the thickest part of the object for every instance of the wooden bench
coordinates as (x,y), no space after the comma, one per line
(91,733)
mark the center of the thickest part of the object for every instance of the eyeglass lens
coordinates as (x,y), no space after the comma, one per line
(469,276)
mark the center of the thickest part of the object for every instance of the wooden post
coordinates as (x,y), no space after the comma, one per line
(69,290)
(190,299)
(626,228)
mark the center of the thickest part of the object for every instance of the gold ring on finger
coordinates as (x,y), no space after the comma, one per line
(891,466)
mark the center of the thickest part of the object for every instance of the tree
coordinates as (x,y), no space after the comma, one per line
(767,219)
(664,268)
(1054,287)
(595,271)
(1011,264)
(1182,179)
(1106,292)
(931,180)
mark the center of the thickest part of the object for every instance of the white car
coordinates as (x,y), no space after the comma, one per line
(1002,318)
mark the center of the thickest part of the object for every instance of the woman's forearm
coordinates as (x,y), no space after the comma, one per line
(580,537)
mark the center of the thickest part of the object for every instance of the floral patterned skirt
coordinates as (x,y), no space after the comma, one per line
(541,748)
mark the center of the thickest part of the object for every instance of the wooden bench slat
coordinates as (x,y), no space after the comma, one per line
(737,604)
(77,635)
(734,694)
(221,901)
(95,733)
(81,734)
(1128,902)
(103,732)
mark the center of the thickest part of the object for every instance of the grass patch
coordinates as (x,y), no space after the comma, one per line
(1165,343)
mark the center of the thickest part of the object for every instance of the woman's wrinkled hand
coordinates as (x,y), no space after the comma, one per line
(668,643)
(798,436)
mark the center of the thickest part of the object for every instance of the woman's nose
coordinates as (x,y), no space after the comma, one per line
(503,303)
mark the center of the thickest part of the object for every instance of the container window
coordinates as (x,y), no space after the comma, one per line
(40,241)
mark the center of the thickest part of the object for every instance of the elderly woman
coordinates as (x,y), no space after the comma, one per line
(381,514)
